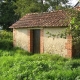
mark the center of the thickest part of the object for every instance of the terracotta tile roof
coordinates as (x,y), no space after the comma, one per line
(77,8)
(47,19)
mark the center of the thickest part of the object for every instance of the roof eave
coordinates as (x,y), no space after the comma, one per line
(40,27)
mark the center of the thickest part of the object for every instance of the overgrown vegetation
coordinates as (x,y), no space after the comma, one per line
(74,30)
(5,40)
(38,67)
(17,64)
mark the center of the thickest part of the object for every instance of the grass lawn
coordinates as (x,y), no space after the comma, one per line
(17,64)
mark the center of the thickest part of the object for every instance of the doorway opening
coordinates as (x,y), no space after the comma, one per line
(35,41)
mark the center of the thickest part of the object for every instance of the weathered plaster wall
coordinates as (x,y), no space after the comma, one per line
(56,45)
(20,38)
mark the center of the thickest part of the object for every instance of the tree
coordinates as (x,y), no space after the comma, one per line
(7,14)
(31,6)
(56,4)
(73,29)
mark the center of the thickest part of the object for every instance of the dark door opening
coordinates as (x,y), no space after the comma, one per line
(36,41)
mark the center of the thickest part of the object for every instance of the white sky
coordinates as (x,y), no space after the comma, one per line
(73,2)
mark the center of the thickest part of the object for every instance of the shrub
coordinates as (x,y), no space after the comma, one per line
(38,67)
(5,40)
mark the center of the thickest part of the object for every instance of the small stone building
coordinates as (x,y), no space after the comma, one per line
(30,33)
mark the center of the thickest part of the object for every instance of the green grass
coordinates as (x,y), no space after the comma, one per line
(21,66)
(17,64)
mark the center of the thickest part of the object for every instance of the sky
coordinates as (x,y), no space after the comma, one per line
(73,2)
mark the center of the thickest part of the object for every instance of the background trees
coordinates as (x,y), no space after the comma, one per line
(31,6)
(12,10)
(74,29)
(7,13)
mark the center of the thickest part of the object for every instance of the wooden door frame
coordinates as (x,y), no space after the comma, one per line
(30,49)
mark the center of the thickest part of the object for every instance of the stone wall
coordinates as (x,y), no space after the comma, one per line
(21,38)
(54,45)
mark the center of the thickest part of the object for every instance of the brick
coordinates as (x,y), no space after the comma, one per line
(14,40)
(68,46)
(41,41)
(28,40)
(31,40)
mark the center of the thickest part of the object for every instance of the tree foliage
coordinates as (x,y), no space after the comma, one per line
(12,10)
(7,14)
(31,6)
(74,22)
(74,30)
(56,4)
